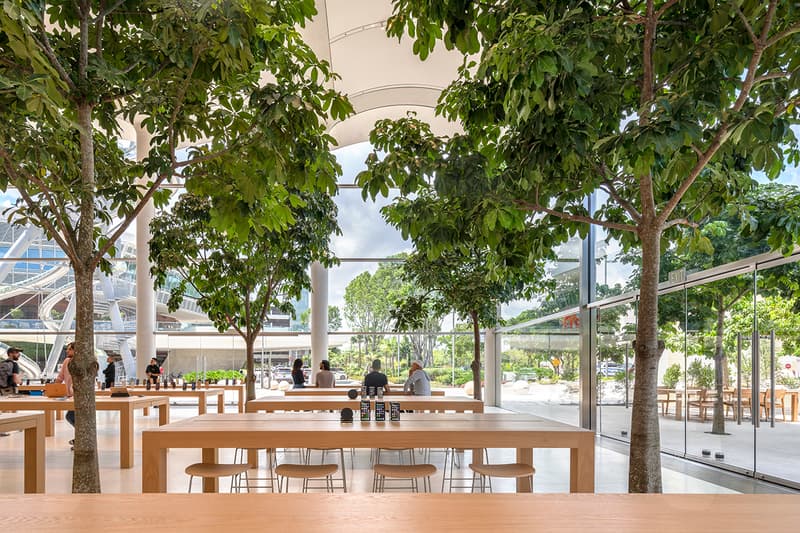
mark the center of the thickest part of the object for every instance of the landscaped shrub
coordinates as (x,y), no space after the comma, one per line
(213,375)
(672,376)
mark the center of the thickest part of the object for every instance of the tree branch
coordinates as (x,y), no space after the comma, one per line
(666,6)
(771,76)
(681,222)
(60,239)
(44,44)
(627,206)
(785,33)
(746,23)
(575,218)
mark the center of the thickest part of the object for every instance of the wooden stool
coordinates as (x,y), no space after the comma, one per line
(305,472)
(410,472)
(216,470)
(343,479)
(508,470)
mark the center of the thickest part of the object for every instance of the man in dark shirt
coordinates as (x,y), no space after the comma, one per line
(110,371)
(153,371)
(376,378)
(11,372)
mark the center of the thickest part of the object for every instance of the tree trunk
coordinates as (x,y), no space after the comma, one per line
(476,360)
(83,369)
(718,426)
(250,366)
(644,473)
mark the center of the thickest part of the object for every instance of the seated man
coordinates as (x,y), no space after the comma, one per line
(418,382)
(376,378)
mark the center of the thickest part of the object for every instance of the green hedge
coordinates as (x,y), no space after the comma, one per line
(213,375)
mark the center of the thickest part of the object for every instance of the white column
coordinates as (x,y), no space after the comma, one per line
(319,317)
(492,367)
(145,292)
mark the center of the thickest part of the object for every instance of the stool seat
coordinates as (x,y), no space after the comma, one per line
(404,471)
(508,470)
(305,471)
(215,470)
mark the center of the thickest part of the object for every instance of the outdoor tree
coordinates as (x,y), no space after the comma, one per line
(242,280)
(189,74)
(334,319)
(666,105)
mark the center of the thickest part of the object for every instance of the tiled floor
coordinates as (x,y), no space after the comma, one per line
(551,465)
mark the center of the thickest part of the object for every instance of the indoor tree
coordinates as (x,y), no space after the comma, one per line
(189,73)
(666,105)
(241,281)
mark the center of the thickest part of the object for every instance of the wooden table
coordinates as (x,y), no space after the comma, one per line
(125,406)
(202,396)
(336,391)
(324,430)
(793,395)
(401,513)
(270,404)
(33,426)
(241,391)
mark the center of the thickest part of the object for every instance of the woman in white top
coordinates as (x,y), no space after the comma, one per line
(325,378)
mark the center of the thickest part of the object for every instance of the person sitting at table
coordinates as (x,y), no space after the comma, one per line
(418,382)
(153,371)
(325,377)
(298,378)
(66,378)
(376,378)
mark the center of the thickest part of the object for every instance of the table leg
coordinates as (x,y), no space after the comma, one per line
(154,464)
(678,406)
(126,437)
(525,456)
(581,465)
(163,413)
(59,415)
(34,458)
(202,398)
(221,402)
(795,401)
(252,457)
(146,411)
(241,394)
(210,484)
(49,423)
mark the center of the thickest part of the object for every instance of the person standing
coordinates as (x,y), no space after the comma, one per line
(9,372)
(153,371)
(325,378)
(110,372)
(418,382)
(376,378)
(298,378)
(66,378)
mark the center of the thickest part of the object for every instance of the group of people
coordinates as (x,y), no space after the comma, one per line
(418,382)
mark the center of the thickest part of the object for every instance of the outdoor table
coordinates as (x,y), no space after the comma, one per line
(202,396)
(601,513)
(325,430)
(336,391)
(33,426)
(125,406)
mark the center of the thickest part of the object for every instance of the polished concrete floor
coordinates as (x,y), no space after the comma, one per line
(552,466)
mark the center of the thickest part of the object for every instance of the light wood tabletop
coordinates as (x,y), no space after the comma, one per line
(202,395)
(33,426)
(336,391)
(239,388)
(324,430)
(457,513)
(125,406)
(270,404)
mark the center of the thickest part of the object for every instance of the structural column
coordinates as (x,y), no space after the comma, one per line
(588,326)
(145,292)
(493,372)
(319,317)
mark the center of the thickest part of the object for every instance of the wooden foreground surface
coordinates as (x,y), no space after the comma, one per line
(404,512)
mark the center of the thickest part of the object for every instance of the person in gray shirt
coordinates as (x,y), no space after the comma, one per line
(325,378)
(418,382)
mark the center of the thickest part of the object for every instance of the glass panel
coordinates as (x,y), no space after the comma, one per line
(616,329)
(778,323)
(719,329)
(540,370)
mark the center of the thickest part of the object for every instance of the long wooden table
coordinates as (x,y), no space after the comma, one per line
(239,388)
(324,430)
(33,426)
(202,395)
(342,391)
(401,513)
(125,406)
(271,404)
